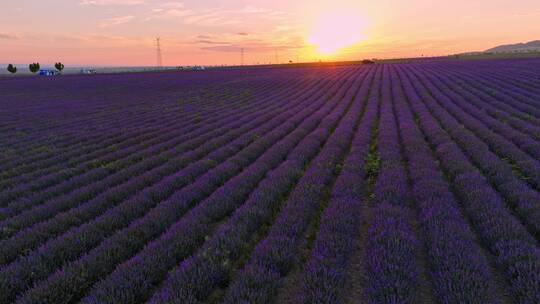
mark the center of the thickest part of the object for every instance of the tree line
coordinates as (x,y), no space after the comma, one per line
(34,67)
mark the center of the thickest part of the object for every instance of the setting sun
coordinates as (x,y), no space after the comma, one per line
(336,30)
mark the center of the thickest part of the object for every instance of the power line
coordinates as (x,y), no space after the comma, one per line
(158,50)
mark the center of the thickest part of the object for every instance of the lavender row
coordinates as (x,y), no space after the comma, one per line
(169,212)
(514,86)
(88,101)
(524,199)
(94,158)
(60,140)
(389,260)
(504,105)
(503,109)
(126,242)
(187,234)
(526,91)
(465,101)
(201,274)
(66,140)
(28,168)
(513,95)
(323,277)
(91,190)
(184,108)
(63,166)
(198,108)
(515,251)
(184,159)
(459,270)
(106,224)
(528,165)
(33,236)
(278,252)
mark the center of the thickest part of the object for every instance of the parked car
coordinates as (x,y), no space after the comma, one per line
(88,71)
(48,72)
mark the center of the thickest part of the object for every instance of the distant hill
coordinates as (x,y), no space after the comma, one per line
(533,46)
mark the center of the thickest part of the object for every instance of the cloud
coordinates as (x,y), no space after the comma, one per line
(201,18)
(8,36)
(169,10)
(259,12)
(172,5)
(116,21)
(527,13)
(212,17)
(211,42)
(223,48)
(208,41)
(242,34)
(175,13)
(111,2)
(253,47)
(68,39)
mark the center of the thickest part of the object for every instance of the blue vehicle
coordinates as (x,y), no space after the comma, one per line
(48,73)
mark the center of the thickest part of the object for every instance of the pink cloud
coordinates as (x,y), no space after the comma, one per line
(8,36)
(116,21)
(111,2)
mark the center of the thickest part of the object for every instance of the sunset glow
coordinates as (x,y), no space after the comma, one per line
(336,30)
(269,151)
(210,32)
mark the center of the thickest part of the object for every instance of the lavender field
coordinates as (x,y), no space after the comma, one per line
(413,182)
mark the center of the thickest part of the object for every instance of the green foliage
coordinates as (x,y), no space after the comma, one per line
(34,67)
(59,66)
(373,163)
(247,93)
(12,69)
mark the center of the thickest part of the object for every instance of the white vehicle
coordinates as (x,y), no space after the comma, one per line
(88,71)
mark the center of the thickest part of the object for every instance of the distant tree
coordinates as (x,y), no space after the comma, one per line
(59,66)
(12,69)
(34,67)
(367,61)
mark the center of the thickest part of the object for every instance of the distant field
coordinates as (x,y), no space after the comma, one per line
(23,70)
(409,182)
(516,55)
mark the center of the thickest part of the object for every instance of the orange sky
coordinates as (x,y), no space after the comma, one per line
(122,32)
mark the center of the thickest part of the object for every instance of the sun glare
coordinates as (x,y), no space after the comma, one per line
(336,30)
